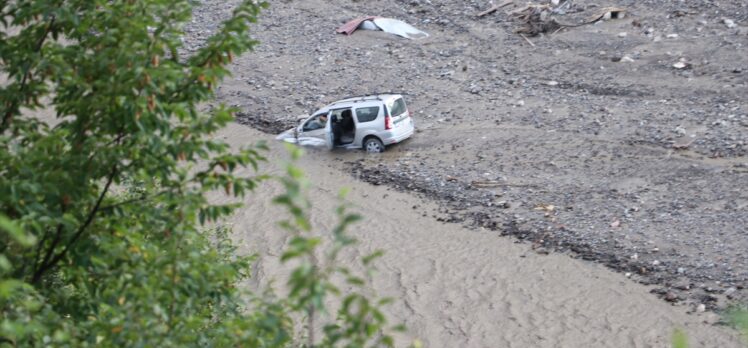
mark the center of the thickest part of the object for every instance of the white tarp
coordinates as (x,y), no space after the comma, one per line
(394,26)
(389,25)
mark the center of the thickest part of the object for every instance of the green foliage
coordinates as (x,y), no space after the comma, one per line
(738,317)
(101,207)
(359,319)
(82,265)
(679,339)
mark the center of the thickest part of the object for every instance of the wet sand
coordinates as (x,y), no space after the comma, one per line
(460,287)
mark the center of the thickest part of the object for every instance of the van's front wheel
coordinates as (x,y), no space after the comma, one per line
(373,145)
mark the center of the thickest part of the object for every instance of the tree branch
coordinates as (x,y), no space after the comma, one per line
(133,200)
(48,254)
(47,265)
(26,75)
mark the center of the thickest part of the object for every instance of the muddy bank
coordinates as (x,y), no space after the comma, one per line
(485,204)
(263,124)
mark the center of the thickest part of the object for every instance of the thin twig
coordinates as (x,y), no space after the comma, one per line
(133,200)
(173,282)
(495,7)
(50,251)
(528,40)
(311,326)
(40,246)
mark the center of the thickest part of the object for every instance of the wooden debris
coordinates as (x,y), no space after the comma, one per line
(606,14)
(682,145)
(494,183)
(537,19)
(545,207)
(528,40)
(494,8)
(486,183)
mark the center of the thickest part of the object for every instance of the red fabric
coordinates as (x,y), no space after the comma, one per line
(350,27)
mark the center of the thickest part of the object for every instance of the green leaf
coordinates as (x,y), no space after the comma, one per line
(373,256)
(15,232)
(679,339)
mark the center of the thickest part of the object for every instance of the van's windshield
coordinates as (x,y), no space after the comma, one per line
(397,107)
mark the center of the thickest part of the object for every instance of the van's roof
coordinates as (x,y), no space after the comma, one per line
(382,97)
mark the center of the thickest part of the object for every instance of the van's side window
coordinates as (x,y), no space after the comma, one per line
(367,114)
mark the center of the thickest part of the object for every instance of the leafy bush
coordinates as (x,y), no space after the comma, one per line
(101,209)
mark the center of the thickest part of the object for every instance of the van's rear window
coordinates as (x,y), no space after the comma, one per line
(397,107)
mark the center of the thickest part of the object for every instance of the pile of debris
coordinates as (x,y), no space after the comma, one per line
(540,18)
(537,19)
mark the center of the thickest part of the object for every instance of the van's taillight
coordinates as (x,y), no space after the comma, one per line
(387,122)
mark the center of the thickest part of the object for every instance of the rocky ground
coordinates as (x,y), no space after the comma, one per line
(623,142)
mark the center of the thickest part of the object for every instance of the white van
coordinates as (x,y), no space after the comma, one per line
(370,122)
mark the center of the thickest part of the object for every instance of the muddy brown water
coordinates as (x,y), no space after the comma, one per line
(455,286)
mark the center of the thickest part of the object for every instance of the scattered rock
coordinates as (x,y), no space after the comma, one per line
(671,297)
(729,23)
(541,251)
(730,291)
(627,59)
